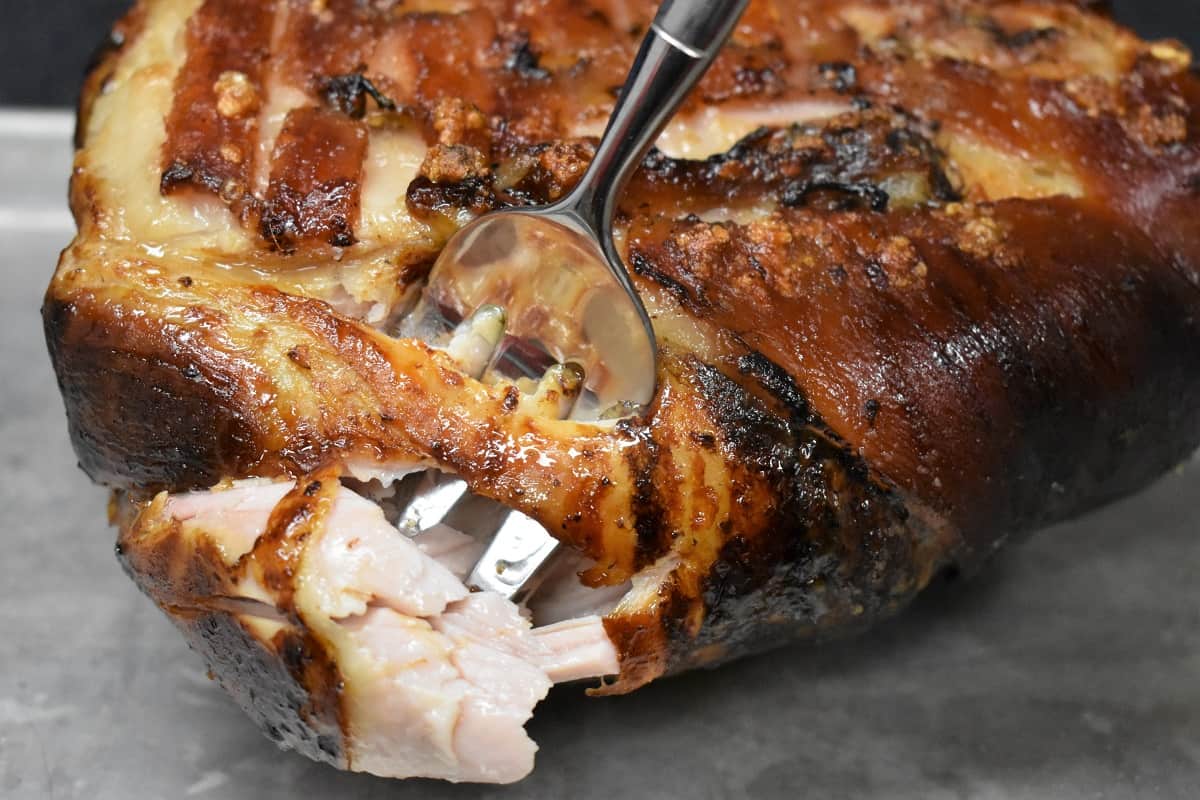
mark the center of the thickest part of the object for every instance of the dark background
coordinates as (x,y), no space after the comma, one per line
(45,44)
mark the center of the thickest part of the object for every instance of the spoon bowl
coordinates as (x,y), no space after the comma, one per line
(562,302)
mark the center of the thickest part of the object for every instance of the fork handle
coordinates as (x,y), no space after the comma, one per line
(682,42)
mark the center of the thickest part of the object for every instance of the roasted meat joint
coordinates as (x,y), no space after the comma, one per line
(924,276)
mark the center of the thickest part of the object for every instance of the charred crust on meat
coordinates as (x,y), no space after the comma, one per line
(290,702)
(647,507)
(288,684)
(277,552)
(292,217)
(315,183)
(871,410)
(216,95)
(176,174)
(844,163)
(774,379)
(645,267)
(794,566)
(428,200)
(512,399)
(348,94)
(876,199)
(841,76)
(523,60)
(136,419)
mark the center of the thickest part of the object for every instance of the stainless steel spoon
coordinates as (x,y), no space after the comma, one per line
(556,273)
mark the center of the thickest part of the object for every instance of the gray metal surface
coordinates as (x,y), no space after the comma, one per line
(1070,669)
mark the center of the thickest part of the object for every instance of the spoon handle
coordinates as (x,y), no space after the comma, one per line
(699,26)
(682,42)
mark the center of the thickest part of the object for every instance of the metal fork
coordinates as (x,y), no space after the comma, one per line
(552,280)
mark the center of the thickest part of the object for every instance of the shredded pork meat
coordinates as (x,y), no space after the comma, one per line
(436,681)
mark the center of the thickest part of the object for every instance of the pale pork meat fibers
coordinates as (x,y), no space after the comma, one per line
(925,276)
(437,681)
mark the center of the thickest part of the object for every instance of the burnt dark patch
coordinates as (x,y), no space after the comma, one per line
(733,574)
(427,199)
(827,168)
(942,188)
(177,174)
(871,411)
(512,398)
(852,195)
(758,433)
(799,568)
(876,275)
(643,266)
(777,381)
(285,684)
(841,76)
(173,432)
(650,519)
(902,140)
(524,60)
(348,94)
(293,216)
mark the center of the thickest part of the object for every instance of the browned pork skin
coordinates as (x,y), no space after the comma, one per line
(926,275)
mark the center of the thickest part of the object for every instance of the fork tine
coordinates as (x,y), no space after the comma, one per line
(473,344)
(520,547)
(512,564)
(433,502)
